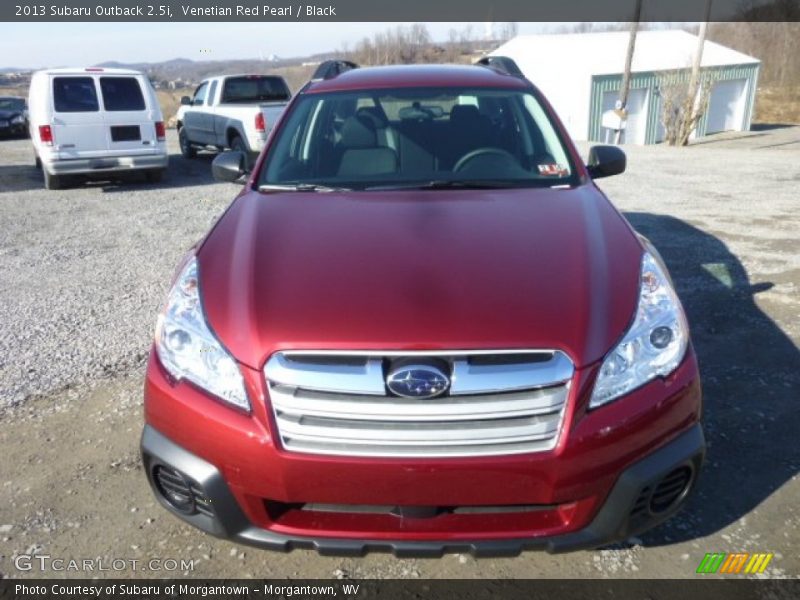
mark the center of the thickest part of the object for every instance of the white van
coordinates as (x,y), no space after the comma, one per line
(94,121)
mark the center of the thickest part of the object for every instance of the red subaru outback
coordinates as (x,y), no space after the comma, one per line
(422,328)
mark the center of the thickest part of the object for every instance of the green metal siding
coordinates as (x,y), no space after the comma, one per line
(650,80)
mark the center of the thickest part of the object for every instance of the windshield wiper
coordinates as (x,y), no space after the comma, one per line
(299,187)
(443,184)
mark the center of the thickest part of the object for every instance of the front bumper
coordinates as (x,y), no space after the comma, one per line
(12,129)
(620,516)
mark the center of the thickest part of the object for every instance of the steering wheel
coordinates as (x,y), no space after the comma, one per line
(485,151)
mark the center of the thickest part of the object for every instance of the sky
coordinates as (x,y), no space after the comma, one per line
(38,45)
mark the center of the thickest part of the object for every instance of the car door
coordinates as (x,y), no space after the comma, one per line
(79,131)
(193,118)
(211,119)
(129,119)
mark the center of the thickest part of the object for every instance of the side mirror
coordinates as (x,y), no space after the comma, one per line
(186,101)
(229,167)
(605,161)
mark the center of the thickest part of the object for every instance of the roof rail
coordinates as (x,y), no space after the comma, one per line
(331,68)
(503,64)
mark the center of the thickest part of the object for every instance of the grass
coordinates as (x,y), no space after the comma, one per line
(777,104)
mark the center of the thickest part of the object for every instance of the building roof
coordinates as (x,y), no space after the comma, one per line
(417,76)
(604,53)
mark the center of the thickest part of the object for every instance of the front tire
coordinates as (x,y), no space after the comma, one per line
(187,150)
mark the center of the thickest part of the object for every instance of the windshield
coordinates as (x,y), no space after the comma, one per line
(409,137)
(251,89)
(12,104)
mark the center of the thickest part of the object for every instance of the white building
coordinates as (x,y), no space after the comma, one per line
(581,75)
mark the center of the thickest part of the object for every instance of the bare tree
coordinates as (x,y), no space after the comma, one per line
(626,77)
(684,102)
(682,109)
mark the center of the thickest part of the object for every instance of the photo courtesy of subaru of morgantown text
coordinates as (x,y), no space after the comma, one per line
(310,298)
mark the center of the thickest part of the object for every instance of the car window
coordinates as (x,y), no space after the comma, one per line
(200,94)
(251,89)
(212,90)
(12,104)
(387,137)
(121,93)
(74,94)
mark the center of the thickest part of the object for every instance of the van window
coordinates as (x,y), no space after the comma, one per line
(74,94)
(121,93)
(252,89)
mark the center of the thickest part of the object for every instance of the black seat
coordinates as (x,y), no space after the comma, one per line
(468,130)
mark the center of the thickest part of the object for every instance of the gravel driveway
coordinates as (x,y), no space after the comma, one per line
(84,271)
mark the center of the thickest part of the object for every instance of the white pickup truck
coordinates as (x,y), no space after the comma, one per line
(231,111)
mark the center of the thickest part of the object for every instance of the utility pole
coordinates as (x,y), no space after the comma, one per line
(626,77)
(694,82)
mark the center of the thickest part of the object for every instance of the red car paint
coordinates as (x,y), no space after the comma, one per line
(422,270)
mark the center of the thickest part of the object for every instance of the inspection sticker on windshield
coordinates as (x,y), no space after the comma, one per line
(552,169)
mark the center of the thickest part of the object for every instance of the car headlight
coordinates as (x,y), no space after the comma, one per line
(18,120)
(655,343)
(187,347)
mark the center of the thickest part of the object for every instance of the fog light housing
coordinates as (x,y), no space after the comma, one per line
(174,489)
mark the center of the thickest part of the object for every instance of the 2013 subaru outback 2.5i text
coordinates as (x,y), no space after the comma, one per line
(422,328)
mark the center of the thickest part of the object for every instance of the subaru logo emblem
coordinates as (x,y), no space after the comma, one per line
(417,381)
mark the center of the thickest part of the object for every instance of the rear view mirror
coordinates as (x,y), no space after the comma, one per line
(185,100)
(229,167)
(605,161)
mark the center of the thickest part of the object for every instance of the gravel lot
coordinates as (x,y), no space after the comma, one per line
(84,271)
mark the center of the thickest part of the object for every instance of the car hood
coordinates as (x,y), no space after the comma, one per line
(9,114)
(416,270)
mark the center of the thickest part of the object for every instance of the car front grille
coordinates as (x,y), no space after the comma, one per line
(498,403)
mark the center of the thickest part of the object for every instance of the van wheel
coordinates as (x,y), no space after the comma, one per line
(154,175)
(37,162)
(52,182)
(187,150)
(238,145)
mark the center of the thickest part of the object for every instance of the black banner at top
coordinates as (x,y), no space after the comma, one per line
(392,10)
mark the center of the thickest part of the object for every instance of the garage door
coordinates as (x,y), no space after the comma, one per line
(726,106)
(636,127)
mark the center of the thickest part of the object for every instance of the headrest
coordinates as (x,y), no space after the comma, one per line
(359,132)
(464,112)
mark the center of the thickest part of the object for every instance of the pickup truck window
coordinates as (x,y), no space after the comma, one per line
(252,89)
(212,90)
(74,94)
(426,137)
(121,93)
(200,94)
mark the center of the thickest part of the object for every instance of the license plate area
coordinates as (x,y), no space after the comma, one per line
(125,133)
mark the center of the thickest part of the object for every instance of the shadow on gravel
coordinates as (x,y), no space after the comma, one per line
(770,126)
(20,178)
(181,172)
(751,376)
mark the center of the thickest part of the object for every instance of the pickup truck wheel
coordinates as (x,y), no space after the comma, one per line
(238,144)
(187,150)
(52,182)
